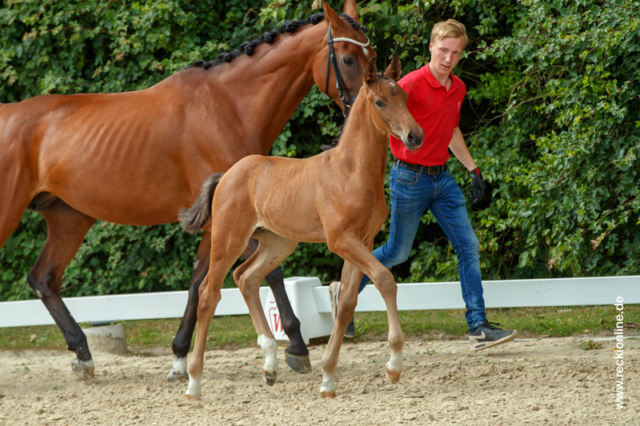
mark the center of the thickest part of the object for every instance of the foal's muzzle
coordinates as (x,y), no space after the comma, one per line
(413,140)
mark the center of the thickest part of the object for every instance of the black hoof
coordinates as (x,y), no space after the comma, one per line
(175,376)
(270,378)
(299,363)
(82,369)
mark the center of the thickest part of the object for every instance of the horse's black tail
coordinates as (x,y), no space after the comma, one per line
(196,217)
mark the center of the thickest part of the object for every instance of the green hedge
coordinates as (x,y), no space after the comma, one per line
(552,118)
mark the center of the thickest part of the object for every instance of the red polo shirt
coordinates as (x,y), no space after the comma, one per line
(436,110)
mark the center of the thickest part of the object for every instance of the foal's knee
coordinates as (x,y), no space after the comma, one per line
(208,300)
(348,300)
(383,280)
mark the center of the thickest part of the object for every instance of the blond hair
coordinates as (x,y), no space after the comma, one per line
(449,28)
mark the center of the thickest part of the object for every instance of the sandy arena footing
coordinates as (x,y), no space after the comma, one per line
(548,381)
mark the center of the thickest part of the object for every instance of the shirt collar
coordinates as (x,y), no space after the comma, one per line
(426,73)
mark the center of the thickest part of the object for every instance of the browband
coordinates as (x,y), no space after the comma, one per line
(350,40)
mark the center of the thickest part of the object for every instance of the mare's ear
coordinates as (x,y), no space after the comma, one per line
(331,16)
(393,70)
(371,73)
(350,9)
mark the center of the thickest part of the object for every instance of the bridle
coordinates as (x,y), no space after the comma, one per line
(331,60)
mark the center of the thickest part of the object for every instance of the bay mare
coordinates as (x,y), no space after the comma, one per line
(336,198)
(136,158)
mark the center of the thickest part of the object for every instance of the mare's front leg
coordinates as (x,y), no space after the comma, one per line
(182,340)
(297,354)
(358,255)
(66,228)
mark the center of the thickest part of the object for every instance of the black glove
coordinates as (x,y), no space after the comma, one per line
(477,186)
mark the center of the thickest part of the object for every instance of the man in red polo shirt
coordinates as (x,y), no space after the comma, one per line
(420,180)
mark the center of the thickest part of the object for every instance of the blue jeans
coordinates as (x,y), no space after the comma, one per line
(411,195)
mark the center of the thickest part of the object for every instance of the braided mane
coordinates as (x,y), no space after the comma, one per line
(269,37)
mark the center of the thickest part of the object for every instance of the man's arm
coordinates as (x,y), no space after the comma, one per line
(460,150)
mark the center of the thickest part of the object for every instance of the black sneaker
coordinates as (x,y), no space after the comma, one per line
(334,296)
(487,335)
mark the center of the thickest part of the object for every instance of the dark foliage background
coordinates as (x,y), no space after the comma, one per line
(552,117)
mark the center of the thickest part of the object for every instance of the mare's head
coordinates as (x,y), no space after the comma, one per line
(351,58)
(388,104)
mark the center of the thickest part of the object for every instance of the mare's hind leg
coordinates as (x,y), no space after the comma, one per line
(272,250)
(66,228)
(182,340)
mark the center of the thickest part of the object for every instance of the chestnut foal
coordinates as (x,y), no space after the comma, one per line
(336,198)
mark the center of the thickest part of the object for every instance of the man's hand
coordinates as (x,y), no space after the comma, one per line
(477,186)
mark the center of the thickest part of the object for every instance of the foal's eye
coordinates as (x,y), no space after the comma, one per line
(347,61)
(379,104)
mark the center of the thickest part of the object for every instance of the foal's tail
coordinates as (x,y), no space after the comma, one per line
(196,217)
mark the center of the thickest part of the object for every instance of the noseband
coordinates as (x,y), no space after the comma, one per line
(331,60)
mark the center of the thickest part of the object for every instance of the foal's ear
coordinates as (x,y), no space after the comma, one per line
(393,70)
(331,16)
(350,9)
(371,73)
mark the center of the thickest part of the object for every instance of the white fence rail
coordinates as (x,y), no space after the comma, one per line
(98,309)
(501,294)
(423,296)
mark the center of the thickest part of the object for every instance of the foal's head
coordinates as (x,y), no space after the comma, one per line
(388,104)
